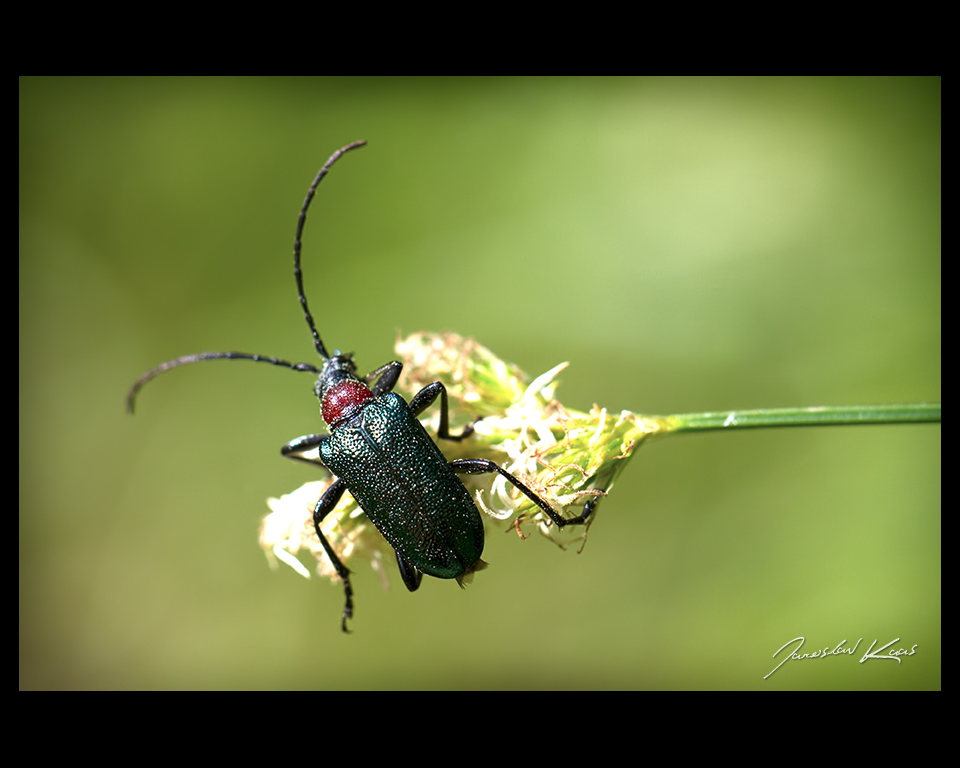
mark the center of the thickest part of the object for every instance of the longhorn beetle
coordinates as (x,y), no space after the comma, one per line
(379,451)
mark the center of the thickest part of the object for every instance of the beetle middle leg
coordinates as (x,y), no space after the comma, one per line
(324,506)
(485,466)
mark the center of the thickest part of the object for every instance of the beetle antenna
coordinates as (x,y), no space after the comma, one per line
(321,350)
(187,359)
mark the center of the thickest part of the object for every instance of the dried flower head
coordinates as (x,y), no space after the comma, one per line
(567,457)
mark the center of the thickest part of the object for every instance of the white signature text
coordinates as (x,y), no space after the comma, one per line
(839,650)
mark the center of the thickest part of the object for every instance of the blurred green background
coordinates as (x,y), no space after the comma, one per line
(687,245)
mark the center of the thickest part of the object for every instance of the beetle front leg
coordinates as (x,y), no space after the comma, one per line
(302,444)
(386,376)
(485,466)
(324,506)
(424,399)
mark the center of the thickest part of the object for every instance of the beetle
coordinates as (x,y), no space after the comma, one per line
(378,450)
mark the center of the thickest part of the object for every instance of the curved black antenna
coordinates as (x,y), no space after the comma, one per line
(187,359)
(321,350)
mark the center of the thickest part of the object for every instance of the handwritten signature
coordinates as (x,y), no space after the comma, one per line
(839,650)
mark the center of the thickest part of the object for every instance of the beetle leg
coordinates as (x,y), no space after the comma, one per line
(589,507)
(386,376)
(424,399)
(294,448)
(411,575)
(485,466)
(324,506)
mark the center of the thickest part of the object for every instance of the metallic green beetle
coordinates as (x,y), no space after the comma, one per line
(379,451)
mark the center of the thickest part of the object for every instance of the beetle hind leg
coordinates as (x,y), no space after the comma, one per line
(411,574)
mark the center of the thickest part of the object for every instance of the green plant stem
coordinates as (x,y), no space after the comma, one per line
(802,417)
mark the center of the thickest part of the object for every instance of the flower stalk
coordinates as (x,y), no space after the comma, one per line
(824,416)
